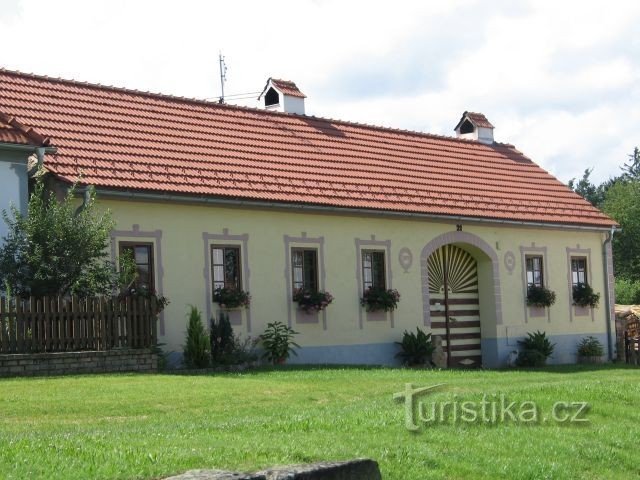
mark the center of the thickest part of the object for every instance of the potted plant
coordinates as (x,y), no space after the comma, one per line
(231,297)
(380,299)
(584,296)
(416,348)
(277,341)
(539,296)
(590,350)
(312,301)
(536,349)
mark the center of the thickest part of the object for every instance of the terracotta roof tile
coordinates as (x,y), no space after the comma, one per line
(287,87)
(125,139)
(478,119)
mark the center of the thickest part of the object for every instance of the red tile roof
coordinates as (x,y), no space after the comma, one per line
(478,119)
(124,139)
(287,87)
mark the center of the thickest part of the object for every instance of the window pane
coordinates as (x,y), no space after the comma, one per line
(217,256)
(218,273)
(379,280)
(232,267)
(142,254)
(366,260)
(310,267)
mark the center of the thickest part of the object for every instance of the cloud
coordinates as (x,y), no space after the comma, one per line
(560,80)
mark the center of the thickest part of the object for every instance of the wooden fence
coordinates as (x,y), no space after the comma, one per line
(73,324)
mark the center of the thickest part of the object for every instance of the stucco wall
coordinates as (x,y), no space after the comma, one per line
(182,235)
(13,183)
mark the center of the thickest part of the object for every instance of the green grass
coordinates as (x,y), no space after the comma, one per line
(149,426)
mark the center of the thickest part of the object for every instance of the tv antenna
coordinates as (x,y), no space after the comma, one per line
(223,76)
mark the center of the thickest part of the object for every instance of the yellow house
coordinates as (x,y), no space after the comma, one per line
(273,201)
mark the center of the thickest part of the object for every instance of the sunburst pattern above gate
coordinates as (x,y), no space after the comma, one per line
(462,274)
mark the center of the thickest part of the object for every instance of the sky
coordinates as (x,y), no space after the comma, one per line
(558,79)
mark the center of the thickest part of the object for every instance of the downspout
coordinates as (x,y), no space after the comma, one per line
(40,151)
(608,299)
(86,197)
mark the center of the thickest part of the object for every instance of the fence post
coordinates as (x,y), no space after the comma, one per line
(154,321)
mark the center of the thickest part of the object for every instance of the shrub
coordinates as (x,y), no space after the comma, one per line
(584,296)
(538,296)
(416,347)
(221,335)
(536,349)
(278,343)
(627,292)
(242,351)
(231,297)
(590,347)
(376,299)
(196,350)
(311,301)
(57,248)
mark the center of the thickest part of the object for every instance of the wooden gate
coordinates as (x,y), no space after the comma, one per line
(454,304)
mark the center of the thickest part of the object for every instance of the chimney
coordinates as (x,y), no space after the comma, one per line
(475,126)
(282,96)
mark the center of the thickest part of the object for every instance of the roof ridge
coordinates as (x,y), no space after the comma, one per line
(200,101)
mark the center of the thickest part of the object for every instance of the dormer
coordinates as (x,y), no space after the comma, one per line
(475,126)
(282,96)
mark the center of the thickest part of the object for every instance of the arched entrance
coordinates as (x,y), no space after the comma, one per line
(465,268)
(455,304)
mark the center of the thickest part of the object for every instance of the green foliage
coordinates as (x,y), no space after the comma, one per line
(594,194)
(228,348)
(221,338)
(540,296)
(312,301)
(127,270)
(584,296)
(416,348)
(627,291)
(57,248)
(129,426)
(536,348)
(196,349)
(380,299)
(623,205)
(631,168)
(231,297)
(162,355)
(590,347)
(277,341)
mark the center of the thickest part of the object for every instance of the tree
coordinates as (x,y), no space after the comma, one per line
(622,203)
(57,249)
(631,169)
(589,191)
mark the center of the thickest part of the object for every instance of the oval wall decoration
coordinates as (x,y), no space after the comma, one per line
(509,261)
(405,258)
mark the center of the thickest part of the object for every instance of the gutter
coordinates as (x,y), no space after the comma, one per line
(132,195)
(608,298)
(27,148)
(39,151)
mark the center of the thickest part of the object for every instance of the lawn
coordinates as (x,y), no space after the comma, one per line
(149,426)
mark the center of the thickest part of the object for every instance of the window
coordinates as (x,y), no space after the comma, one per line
(271,97)
(535,274)
(467,127)
(373,270)
(304,263)
(225,265)
(578,270)
(142,254)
